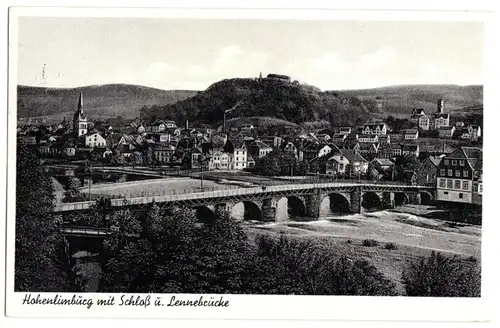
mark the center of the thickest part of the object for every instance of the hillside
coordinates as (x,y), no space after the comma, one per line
(402,98)
(101,101)
(291,102)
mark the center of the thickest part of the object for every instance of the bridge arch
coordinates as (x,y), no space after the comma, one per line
(335,203)
(371,201)
(205,214)
(401,198)
(425,197)
(290,207)
(246,210)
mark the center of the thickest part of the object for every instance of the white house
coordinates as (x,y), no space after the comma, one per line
(411,134)
(375,128)
(239,157)
(94,140)
(373,138)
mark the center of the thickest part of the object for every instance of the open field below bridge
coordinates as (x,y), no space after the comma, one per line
(414,236)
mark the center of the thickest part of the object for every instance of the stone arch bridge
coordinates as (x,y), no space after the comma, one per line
(263,203)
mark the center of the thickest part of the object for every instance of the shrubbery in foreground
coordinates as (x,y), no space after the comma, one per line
(439,275)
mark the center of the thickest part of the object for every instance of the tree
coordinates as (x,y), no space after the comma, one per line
(442,276)
(38,244)
(123,255)
(72,192)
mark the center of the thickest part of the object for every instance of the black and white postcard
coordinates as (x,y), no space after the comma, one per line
(246,164)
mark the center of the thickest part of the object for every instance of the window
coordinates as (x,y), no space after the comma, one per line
(462,163)
(446,193)
(449,183)
(465,185)
(446,162)
(460,195)
(480,188)
(454,162)
(457,184)
(442,172)
(450,172)
(341,167)
(457,173)
(466,173)
(442,183)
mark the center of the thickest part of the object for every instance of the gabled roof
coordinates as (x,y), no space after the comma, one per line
(353,156)
(383,161)
(435,160)
(261,145)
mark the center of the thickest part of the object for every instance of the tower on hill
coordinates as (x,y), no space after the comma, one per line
(80,119)
(440,106)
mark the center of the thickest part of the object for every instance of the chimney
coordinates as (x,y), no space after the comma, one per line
(440,106)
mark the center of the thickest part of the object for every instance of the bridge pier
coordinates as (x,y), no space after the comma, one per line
(269,206)
(313,203)
(356,200)
(222,209)
(414,198)
(388,200)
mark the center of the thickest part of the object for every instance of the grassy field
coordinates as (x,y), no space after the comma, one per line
(414,236)
(154,187)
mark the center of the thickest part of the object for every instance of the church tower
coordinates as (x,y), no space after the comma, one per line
(80,120)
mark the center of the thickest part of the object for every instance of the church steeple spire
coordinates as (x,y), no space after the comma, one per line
(79,119)
(80,102)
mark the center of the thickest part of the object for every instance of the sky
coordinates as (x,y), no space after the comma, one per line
(193,54)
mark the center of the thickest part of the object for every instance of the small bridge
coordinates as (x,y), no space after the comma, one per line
(264,203)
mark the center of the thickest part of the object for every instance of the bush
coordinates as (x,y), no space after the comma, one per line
(290,266)
(439,275)
(370,242)
(391,246)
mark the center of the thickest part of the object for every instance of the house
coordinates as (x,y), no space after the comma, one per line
(446,132)
(323,137)
(382,164)
(384,139)
(410,149)
(395,150)
(258,149)
(368,149)
(372,138)
(250,161)
(427,176)
(238,156)
(411,134)
(338,138)
(289,147)
(358,165)
(164,153)
(336,164)
(273,141)
(474,132)
(69,148)
(459,176)
(93,139)
(219,160)
(423,122)
(441,120)
(345,130)
(375,128)
(170,125)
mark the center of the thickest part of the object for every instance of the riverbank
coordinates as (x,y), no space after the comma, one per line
(414,237)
